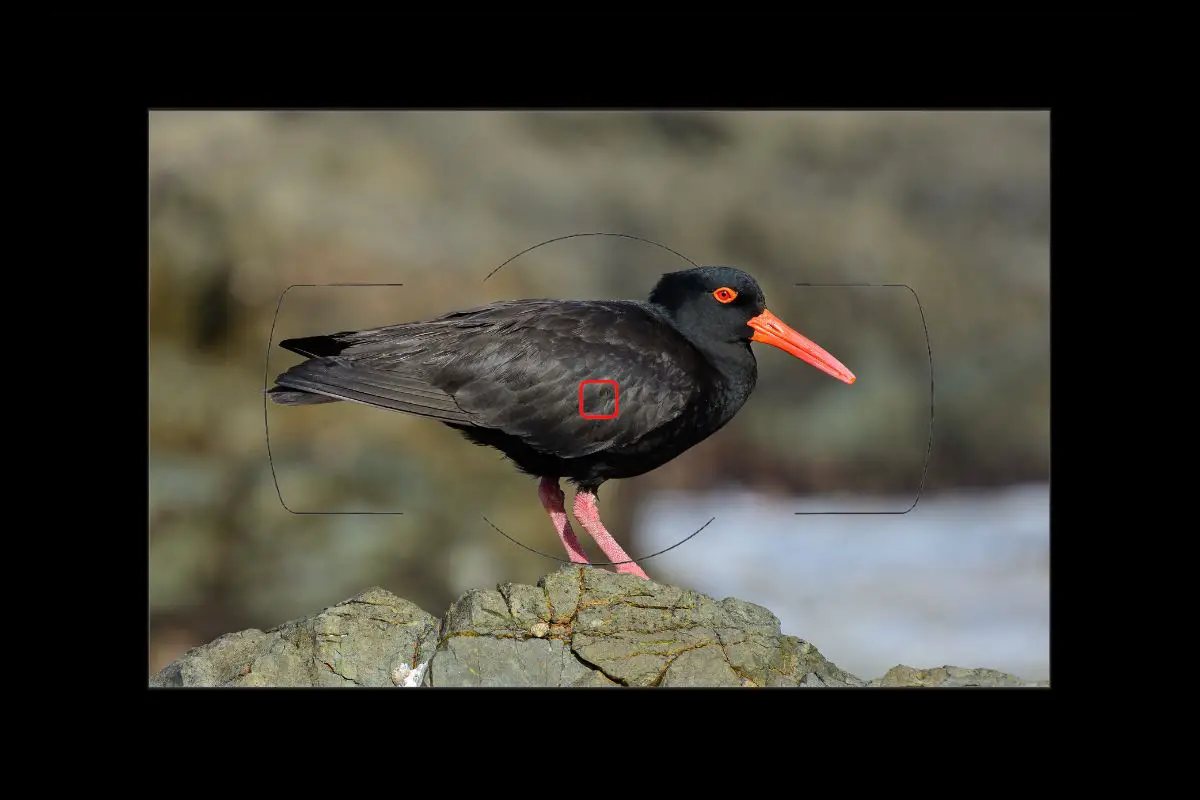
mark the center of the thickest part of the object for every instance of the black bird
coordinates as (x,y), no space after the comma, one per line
(586,390)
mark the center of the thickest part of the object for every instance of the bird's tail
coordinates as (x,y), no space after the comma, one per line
(295,397)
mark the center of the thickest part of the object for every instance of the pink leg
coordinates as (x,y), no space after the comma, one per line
(589,517)
(552,499)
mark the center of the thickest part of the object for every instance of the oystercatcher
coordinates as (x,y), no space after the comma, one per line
(586,390)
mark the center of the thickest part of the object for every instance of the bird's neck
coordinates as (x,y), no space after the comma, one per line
(734,373)
(734,369)
(734,362)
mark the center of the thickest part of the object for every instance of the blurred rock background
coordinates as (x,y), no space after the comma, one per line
(245,204)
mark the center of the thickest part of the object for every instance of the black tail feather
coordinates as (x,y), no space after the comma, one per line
(293,397)
(316,346)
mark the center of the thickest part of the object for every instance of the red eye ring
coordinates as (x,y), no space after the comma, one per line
(725,295)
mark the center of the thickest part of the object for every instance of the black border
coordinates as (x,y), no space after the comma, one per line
(116,66)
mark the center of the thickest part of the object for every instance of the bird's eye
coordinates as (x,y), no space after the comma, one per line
(725,295)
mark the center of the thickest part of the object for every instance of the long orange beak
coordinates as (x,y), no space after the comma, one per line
(770,329)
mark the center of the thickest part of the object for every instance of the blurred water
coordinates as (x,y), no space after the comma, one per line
(962,579)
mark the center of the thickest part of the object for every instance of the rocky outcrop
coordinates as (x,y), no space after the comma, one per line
(580,626)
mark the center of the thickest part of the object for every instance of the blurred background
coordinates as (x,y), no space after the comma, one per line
(954,204)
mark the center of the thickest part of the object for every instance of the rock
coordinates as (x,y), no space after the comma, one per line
(358,642)
(580,626)
(950,676)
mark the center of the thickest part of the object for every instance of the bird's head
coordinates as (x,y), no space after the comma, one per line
(724,304)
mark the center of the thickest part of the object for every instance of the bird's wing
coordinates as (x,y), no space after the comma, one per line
(517,367)
(526,376)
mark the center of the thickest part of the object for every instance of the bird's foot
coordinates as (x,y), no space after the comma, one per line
(633,569)
(589,517)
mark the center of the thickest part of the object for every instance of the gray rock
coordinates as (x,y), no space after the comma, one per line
(358,642)
(485,661)
(580,626)
(948,676)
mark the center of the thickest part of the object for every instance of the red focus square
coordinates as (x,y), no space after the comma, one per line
(616,400)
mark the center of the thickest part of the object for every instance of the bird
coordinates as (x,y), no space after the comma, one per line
(579,390)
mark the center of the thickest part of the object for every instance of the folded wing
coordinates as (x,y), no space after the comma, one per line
(514,367)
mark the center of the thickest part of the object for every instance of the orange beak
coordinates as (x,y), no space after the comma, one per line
(770,329)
